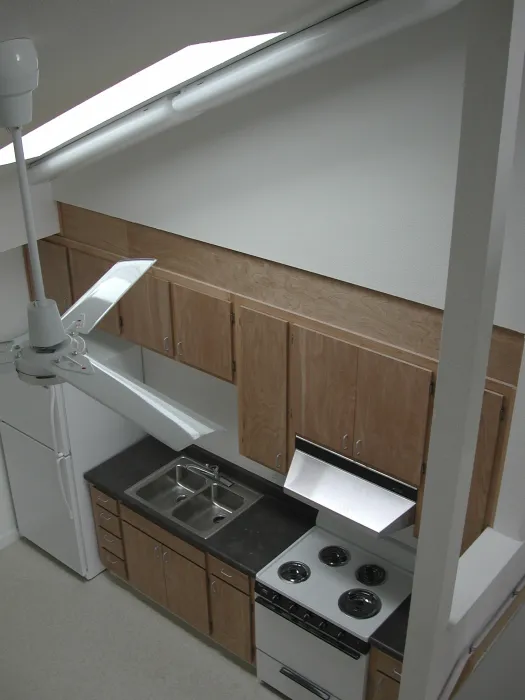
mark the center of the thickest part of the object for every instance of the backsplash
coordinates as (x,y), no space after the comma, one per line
(213,398)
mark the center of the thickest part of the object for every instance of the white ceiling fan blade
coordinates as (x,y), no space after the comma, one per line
(166,420)
(104,294)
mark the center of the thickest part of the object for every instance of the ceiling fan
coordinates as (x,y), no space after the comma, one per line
(55,351)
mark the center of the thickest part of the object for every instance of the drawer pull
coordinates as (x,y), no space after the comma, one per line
(296,678)
(213,587)
(166,344)
(102,500)
(225,574)
(396,672)
(110,560)
(106,517)
(165,557)
(109,539)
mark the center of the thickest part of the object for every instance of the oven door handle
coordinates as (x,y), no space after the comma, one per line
(307,685)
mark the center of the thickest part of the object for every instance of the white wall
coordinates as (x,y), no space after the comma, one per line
(13,302)
(12,229)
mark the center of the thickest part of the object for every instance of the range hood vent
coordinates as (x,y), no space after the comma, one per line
(324,479)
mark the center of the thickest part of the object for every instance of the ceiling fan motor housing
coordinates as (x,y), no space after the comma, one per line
(18,79)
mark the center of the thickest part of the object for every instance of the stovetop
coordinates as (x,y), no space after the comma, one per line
(343,583)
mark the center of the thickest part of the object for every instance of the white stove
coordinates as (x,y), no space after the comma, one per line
(318,603)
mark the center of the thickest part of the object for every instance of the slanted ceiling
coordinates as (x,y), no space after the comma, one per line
(85,46)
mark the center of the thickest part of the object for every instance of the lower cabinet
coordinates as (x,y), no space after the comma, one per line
(231,618)
(384,676)
(186,590)
(145,564)
(384,688)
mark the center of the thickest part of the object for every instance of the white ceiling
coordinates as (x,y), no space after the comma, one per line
(85,46)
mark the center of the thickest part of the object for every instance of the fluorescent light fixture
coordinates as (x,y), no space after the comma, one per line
(159,78)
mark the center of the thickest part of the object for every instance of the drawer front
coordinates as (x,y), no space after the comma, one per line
(111,542)
(229,574)
(287,681)
(107,521)
(113,563)
(163,536)
(106,502)
(387,665)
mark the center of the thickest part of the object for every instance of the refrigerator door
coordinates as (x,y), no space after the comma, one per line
(42,495)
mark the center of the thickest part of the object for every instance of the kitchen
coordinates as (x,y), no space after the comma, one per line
(278,316)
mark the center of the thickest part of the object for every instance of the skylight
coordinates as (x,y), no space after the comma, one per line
(155,80)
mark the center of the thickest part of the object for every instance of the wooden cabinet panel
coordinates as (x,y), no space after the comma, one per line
(95,229)
(146,315)
(382,687)
(262,383)
(144,562)
(232,576)
(85,271)
(108,521)
(231,618)
(203,331)
(323,375)
(391,415)
(489,428)
(55,271)
(186,590)
(387,665)
(113,563)
(111,542)
(101,499)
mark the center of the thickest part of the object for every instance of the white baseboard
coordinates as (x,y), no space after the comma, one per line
(8,538)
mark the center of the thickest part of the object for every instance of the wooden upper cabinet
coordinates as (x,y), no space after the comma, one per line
(55,271)
(85,271)
(144,562)
(186,590)
(323,375)
(392,411)
(263,387)
(484,464)
(94,229)
(146,315)
(203,331)
(231,618)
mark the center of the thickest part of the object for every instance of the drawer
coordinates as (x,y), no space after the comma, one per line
(229,574)
(108,521)
(163,536)
(113,563)
(111,542)
(100,499)
(287,682)
(387,665)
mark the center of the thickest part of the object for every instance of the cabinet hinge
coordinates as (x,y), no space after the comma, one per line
(424,468)
(432,387)
(234,366)
(232,317)
(121,323)
(502,413)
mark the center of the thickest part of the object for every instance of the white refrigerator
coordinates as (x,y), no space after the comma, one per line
(50,438)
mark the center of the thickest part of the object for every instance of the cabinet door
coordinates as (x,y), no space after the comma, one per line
(489,427)
(231,618)
(392,410)
(186,590)
(262,382)
(85,271)
(146,315)
(323,374)
(382,687)
(55,271)
(144,561)
(203,331)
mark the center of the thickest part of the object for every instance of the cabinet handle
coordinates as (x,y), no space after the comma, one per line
(110,560)
(179,347)
(345,441)
(157,551)
(307,685)
(166,344)
(165,557)
(102,500)
(213,587)
(106,517)
(396,672)
(278,460)
(225,574)
(358,447)
(109,539)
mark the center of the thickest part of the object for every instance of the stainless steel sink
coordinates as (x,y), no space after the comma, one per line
(199,503)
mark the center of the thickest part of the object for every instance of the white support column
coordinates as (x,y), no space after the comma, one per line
(488,133)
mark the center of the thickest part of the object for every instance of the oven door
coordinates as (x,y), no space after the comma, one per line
(302,666)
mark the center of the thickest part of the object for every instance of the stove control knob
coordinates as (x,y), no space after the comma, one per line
(292,608)
(306,617)
(340,636)
(322,625)
(275,597)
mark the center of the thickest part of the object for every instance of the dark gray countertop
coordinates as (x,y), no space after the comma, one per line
(249,542)
(391,636)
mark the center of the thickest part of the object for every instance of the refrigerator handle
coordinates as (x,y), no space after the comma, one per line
(59,455)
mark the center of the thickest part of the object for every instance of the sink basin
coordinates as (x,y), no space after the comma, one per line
(209,508)
(191,500)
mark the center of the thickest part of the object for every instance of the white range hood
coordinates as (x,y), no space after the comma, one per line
(327,480)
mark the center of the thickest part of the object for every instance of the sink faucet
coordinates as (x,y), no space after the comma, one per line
(212,472)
